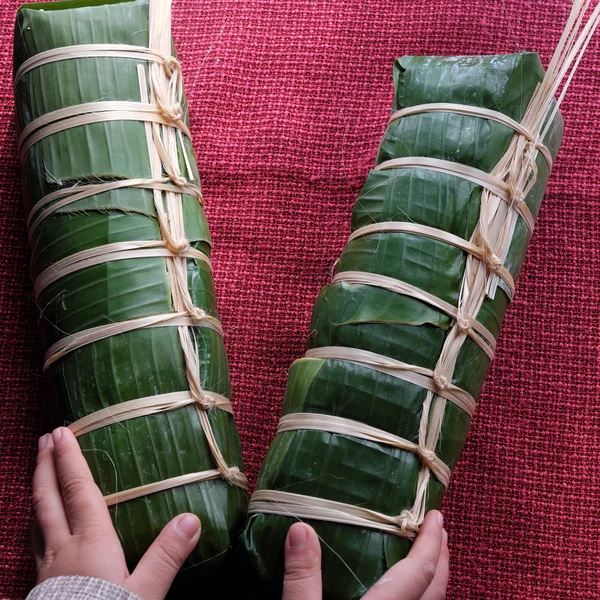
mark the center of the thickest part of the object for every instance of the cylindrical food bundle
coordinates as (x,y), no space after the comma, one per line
(376,414)
(120,260)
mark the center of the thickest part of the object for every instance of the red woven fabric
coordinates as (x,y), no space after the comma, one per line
(289,99)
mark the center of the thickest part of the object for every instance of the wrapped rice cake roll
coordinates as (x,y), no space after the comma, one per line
(121,264)
(376,414)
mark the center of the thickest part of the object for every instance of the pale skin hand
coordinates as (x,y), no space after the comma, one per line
(74,535)
(422,575)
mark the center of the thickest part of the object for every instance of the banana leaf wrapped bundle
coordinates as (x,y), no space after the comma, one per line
(121,265)
(376,414)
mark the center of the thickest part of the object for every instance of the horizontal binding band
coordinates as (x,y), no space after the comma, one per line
(94,112)
(419,376)
(493,184)
(475,111)
(86,51)
(233,476)
(299,506)
(485,255)
(65,196)
(352,428)
(109,253)
(144,407)
(471,327)
(72,342)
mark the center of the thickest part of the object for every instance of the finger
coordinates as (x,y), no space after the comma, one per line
(85,507)
(411,577)
(437,589)
(302,578)
(48,507)
(156,570)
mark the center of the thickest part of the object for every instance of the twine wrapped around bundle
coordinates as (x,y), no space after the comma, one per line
(121,268)
(377,412)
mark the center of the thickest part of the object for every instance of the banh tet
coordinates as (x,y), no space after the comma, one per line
(376,413)
(122,272)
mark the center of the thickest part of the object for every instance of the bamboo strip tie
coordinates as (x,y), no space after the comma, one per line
(64,197)
(109,253)
(163,118)
(339,425)
(143,407)
(86,51)
(473,328)
(91,113)
(475,111)
(298,506)
(487,181)
(502,201)
(483,253)
(72,342)
(232,475)
(420,376)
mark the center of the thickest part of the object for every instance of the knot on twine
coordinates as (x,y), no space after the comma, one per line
(179,247)
(517,197)
(440,381)
(463,324)
(528,159)
(206,402)
(491,261)
(233,476)
(171,66)
(197,314)
(172,113)
(407,523)
(178,180)
(428,456)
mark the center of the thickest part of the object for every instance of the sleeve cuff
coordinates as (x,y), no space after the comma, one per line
(76,587)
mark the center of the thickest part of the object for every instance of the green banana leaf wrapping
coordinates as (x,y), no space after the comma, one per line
(363,473)
(140,363)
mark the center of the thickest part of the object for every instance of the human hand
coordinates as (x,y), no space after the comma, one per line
(422,575)
(73,532)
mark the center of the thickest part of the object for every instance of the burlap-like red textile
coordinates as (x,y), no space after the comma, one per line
(289,99)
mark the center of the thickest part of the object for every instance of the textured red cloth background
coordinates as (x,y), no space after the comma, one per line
(289,99)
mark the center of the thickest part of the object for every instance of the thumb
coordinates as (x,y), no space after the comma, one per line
(302,579)
(156,570)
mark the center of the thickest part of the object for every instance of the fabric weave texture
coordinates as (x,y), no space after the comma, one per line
(288,102)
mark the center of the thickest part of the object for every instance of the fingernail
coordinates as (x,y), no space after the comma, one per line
(189,525)
(440,519)
(297,537)
(56,435)
(42,442)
